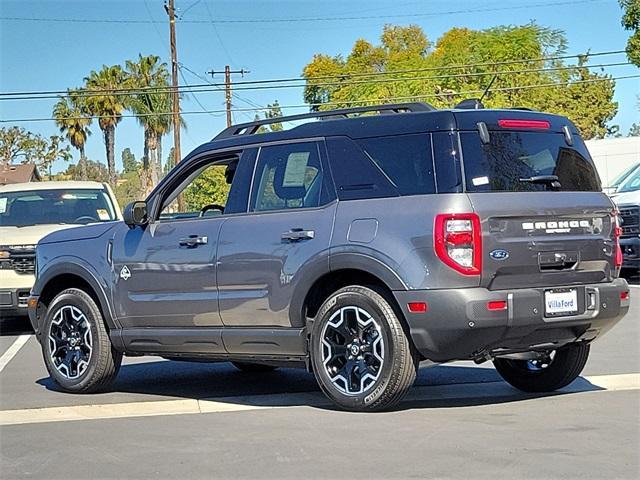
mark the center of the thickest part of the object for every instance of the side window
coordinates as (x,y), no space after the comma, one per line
(447,160)
(212,188)
(405,159)
(288,176)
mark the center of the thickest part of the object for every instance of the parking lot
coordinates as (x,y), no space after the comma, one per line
(195,420)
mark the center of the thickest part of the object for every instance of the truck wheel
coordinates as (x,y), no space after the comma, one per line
(76,346)
(253,367)
(360,354)
(561,368)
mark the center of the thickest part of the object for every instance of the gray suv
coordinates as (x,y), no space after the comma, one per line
(355,246)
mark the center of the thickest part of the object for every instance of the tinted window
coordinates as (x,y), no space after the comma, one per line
(405,159)
(512,156)
(38,207)
(447,159)
(354,174)
(287,176)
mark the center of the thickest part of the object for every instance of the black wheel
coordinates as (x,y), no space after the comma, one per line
(361,356)
(75,345)
(555,370)
(253,367)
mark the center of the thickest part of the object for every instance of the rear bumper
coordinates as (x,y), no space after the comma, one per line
(458,325)
(13,301)
(630,252)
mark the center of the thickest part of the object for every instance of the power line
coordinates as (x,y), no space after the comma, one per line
(307,19)
(351,102)
(266,84)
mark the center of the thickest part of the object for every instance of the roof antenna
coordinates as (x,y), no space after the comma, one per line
(486,90)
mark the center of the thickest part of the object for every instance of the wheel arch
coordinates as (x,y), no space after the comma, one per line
(64,275)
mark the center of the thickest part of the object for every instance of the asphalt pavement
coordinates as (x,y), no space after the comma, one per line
(167,419)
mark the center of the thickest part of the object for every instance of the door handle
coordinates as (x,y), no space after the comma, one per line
(192,241)
(296,234)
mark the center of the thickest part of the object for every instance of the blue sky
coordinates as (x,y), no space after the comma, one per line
(42,55)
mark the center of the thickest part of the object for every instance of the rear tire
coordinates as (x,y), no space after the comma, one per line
(253,367)
(567,363)
(361,356)
(76,347)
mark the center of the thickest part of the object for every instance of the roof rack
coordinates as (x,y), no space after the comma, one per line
(251,128)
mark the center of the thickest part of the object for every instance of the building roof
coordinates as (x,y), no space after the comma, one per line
(26,172)
(66,185)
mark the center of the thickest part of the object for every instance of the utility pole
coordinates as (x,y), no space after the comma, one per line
(175,100)
(227,87)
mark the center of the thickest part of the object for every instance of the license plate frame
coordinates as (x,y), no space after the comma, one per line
(561,302)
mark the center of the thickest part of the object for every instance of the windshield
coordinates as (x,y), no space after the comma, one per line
(623,176)
(39,207)
(631,184)
(511,161)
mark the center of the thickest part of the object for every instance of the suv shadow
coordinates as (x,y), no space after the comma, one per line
(451,386)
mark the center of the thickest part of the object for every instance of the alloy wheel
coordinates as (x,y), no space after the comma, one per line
(352,350)
(70,341)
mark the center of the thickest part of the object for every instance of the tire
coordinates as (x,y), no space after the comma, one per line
(73,318)
(362,317)
(565,366)
(253,367)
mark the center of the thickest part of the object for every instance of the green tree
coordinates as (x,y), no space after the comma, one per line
(634,131)
(422,72)
(96,172)
(18,144)
(151,107)
(210,187)
(129,162)
(73,122)
(631,21)
(53,151)
(274,111)
(170,163)
(105,102)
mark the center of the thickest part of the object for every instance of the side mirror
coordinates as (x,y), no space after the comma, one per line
(135,214)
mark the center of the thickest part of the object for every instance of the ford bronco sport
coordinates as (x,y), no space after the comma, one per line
(355,246)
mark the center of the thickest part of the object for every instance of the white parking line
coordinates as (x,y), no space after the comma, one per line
(257,402)
(13,350)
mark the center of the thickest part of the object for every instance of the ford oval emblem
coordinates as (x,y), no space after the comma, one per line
(499,254)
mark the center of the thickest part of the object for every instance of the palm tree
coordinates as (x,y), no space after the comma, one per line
(152,108)
(74,123)
(107,104)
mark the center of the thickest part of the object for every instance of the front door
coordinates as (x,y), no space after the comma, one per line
(265,255)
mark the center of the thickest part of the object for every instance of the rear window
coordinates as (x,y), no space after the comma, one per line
(405,159)
(511,157)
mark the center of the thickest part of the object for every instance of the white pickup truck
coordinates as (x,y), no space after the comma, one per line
(28,212)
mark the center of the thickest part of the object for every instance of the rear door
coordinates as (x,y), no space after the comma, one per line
(265,255)
(537,232)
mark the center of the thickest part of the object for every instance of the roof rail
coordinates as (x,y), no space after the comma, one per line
(251,128)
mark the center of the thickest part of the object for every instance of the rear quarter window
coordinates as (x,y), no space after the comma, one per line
(510,157)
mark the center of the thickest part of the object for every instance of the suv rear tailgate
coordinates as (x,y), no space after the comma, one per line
(535,239)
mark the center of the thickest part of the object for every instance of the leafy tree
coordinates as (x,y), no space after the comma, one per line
(152,107)
(96,172)
(634,131)
(73,122)
(18,144)
(274,111)
(210,187)
(631,21)
(107,104)
(54,150)
(422,72)
(170,163)
(129,188)
(129,163)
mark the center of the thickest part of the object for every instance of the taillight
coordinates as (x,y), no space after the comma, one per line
(617,233)
(526,124)
(458,242)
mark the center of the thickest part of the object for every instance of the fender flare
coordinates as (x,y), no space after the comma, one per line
(69,265)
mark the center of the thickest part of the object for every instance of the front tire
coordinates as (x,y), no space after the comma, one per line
(360,353)
(561,368)
(76,347)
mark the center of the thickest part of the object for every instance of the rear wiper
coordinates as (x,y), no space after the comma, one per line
(549,180)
